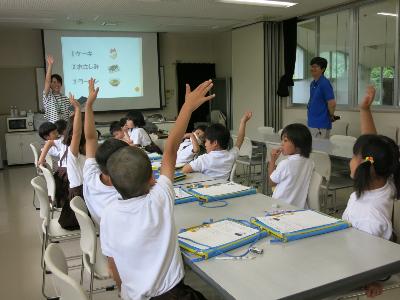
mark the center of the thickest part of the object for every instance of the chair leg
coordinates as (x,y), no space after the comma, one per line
(33,200)
(91,282)
(44,284)
(82,269)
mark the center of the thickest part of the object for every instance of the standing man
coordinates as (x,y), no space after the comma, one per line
(56,105)
(322,103)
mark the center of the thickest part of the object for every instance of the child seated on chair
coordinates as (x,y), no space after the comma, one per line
(137,232)
(54,146)
(97,187)
(190,147)
(218,161)
(292,176)
(375,168)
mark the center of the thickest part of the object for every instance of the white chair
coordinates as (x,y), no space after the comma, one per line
(265,131)
(233,171)
(56,263)
(342,139)
(36,153)
(396,220)
(313,200)
(389,131)
(51,185)
(93,259)
(246,158)
(330,183)
(280,131)
(51,229)
(216,116)
(339,128)
(354,129)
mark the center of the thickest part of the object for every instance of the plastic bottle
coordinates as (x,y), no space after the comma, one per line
(16,112)
(12,111)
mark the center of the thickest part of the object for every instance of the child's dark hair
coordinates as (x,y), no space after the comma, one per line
(130,171)
(57,77)
(105,150)
(379,153)
(122,121)
(61,126)
(115,126)
(201,127)
(136,117)
(68,136)
(218,132)
(46,128)
(320,61)
(300,136)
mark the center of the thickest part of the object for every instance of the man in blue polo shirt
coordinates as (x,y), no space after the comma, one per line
(321,106)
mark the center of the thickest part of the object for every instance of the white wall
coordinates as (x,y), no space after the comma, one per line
(248,74)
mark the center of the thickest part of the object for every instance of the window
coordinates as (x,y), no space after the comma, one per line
(376,50)
(306,49)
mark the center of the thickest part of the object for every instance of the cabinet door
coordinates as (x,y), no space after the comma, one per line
(27,154)
(13,146)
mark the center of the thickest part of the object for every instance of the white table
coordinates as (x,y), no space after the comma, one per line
(310,268)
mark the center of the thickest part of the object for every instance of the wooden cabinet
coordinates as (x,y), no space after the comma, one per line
(18,149)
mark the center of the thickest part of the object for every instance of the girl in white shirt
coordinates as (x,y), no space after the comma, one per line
(375,169)
(292,176)
(139,136)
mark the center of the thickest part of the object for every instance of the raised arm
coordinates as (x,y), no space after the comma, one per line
(195,143)
(90,128)
(47,82)
(367,121)
(242,128)
(272,163)
(45,150)
(77,126)
(193,99)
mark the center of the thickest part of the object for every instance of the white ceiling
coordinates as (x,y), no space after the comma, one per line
(146,15)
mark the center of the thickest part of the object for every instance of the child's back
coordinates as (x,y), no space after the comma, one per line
(293,175)
(372,212)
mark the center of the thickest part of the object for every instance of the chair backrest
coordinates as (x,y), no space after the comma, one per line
(36,152)
(51,184)
(216,116)
(389,131)
(57,264)
(354,129)
(340,139)
(322,164)
(396,219)
(247,147)
(313,192)
(265,131)
(233,171)
(40,186)
(88,231)
(339,128)
(280,132)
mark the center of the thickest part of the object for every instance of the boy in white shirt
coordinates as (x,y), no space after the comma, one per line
(190,147)
(98,190)
(138,232)
(218,161)
(292,176)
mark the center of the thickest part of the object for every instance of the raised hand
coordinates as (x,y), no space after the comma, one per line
(92,92)
(73,102)
(50,59)
(197,97)
(368,98)
(246,116)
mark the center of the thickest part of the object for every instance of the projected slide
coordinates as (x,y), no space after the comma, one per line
(115,62)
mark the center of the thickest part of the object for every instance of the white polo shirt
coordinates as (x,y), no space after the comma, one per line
(185,152)
(216,164)
(372,212)
(97,195)
(75,168)
(292,177)
(58,151)
(139,137)
(139,233)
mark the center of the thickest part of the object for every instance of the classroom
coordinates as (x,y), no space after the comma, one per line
(199,149)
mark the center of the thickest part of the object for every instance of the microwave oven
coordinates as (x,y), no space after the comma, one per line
(15,124)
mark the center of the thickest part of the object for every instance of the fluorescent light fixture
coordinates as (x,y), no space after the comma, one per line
(260,2)
(386,14)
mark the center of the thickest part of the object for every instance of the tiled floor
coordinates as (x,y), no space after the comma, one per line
(20,244)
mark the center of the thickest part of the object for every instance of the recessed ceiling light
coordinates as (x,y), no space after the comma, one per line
(260,2)
(387,14)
